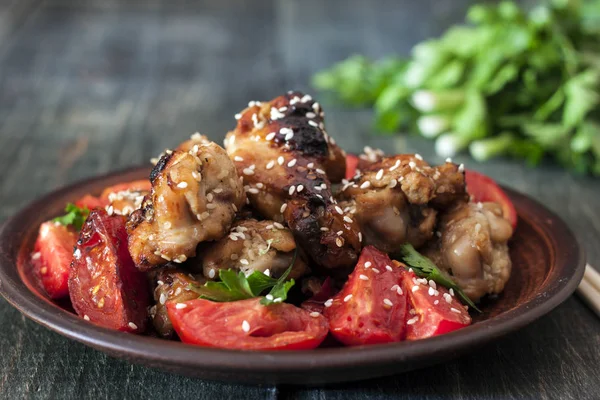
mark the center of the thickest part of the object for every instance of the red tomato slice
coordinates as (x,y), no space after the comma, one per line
(370,308)
(430,313)
(90,202)
(351,165)
(317,302)
(52,258)
(247,325)
(104,284)
(483,188)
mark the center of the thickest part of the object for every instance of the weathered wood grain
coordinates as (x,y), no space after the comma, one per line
(92,86)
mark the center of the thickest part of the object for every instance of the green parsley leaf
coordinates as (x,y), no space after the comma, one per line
(237,286)
(425,268)
(74,216)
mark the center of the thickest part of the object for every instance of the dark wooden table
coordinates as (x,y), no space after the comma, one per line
(89,87)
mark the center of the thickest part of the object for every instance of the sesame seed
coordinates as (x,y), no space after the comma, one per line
(418,157)
(253,190)
(365,185)
(328,303)
(211,206)
(432,284)
(165,257)
(415,288)
(238,116)
(180,306)
(339,242)
(270,226)
(163,298)
(388,302)
(348,219)
(448,160)
(347,298)
(360,237)
(339,210)
(451,292)
(313,123)
(379,174)
(448,298)
(395,165)
(300,188)
(247,171)
(277,300)
(211,273)
(269,297)
(320,171)
(375,270)
(363,277)
(454,310)
(461,168)
(245,326)
(314,314)
(278,225)
(132,325)
(238,158)
(204,215)
(291,190)
(436,302)
(310,115)
(431,291)
(412,320)
(36,255)
(310,165)
(368,264)
(210,197)
(412,164)
(283,207)
(244,261)
(324,229)
(339,233)
(280,160)
(270,164)
(291,163)
(86,317)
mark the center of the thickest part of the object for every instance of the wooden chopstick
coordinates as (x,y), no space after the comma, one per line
(589,288)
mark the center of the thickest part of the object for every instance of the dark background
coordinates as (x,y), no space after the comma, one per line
(88,87)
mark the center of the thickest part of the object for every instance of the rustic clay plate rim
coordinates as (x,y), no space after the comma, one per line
(164,353)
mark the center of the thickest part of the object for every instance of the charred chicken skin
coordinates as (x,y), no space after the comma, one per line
(471,247)
(263,246)
(195,195)
(287,162)
(395,200)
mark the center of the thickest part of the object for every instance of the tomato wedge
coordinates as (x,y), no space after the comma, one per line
(247,325)
(351,165)
(483,188)
(104,285)
(52,258)
(432,309)
(370,308)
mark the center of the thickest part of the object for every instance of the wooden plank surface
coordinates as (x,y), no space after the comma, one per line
(92,86)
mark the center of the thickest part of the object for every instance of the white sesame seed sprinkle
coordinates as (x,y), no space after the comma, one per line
(270,136)
(448,160)
(132,326)
(211,273)
(278,225)
(238,116)
(431,291)
(368,264)
(238,158)
(291,190)
(253,190)
(270,164)
(269,297)
(347,298)
(310,165)
(267,272)
(313,123)
(412,320)
(365,185)
(248,171)
(280,160)
(451,292)
(324,229)
(432,284)
(363,277)
(448,298)
(418,157)
(180,306)
(379,174)
(388,302)
(328,303)
(348,219)
(339,242)
(375,270)
(314,314)
(387,267)
(163,298)
(415,288)
(339,210)
(360,237)
(436,302)
(339,233)
(36,255)
(461,168)
(299,188)
(245,326)
(310,115)
(454,310)
(244,261)
(292,163)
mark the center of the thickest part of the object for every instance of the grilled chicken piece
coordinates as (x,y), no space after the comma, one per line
(396,200)
(171,285)
(126,201)
(194,198)
(264,246)
(288,162)
(472,249)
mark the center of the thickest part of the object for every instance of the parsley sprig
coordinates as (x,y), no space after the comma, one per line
(74,216)
(237,286)
(425,268)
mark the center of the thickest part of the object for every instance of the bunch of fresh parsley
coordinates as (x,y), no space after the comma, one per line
(510,82)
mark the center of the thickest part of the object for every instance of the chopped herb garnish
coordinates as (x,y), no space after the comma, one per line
(237,286)
(425,268)
(74,216)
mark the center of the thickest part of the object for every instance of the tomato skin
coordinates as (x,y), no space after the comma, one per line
(90,202)
(317,302)
(52,258)
(364,318)
(351,165)
(278,326)
(432,319)
(104,284)
(483,188)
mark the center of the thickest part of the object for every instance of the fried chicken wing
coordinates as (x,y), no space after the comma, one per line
(395,200)
(288,162)
(195,195)
(471,247)
(264,246)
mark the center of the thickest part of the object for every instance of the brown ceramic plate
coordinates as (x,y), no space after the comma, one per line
(547,267)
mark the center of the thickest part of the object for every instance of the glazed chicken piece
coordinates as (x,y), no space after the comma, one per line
(171,285)
(194,198)
(287,162)
(264,246)
(471,247)
(396,199)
